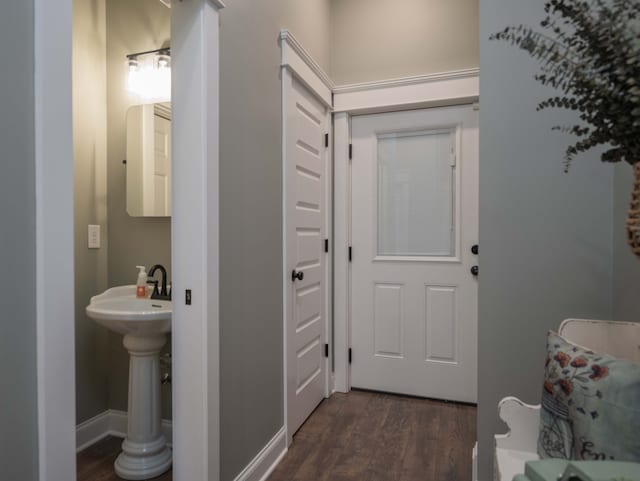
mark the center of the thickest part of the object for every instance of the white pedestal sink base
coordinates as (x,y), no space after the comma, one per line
(145,465)
(145,453)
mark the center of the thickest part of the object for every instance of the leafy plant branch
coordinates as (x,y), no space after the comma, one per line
(589,50)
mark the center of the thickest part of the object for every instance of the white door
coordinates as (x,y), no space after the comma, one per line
(414,222)
(306,164)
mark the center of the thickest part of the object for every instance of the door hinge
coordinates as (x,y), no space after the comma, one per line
(326,350)
(350,357)
(350,253)
(350,151)
(326,245)
(326,140)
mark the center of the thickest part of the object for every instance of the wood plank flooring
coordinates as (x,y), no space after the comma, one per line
(96,462)
(368,436)
(360,436)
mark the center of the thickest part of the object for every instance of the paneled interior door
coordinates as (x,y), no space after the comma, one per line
(414,222)
(161,204)
(306,167)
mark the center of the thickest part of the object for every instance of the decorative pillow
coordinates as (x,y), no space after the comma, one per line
(590,405)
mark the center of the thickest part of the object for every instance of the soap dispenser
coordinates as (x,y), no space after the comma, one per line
(141,285)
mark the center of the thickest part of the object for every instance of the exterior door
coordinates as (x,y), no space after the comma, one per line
(414,222)
(306,164)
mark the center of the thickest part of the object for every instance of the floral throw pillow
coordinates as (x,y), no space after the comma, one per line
(590,407)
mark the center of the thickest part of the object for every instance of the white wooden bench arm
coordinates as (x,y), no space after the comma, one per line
(523,420)
(519,444)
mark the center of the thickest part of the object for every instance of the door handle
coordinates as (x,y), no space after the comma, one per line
(299,275)
(474,249)
(474,271)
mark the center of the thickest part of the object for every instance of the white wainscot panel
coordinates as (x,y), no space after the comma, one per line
(440,324)
(389,320)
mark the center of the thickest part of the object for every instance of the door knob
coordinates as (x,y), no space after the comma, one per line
(474,249)
(474,270)
(299,275)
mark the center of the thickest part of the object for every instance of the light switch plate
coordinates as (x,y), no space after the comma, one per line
(94,236)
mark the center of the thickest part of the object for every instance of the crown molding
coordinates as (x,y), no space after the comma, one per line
(421,91)
(297,59)
(407,81)
(287,37)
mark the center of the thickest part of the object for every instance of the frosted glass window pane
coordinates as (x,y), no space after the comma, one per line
(415,194)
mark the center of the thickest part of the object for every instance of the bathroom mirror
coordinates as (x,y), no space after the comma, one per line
(149,160)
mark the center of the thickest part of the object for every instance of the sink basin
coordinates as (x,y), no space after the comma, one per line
(121,311)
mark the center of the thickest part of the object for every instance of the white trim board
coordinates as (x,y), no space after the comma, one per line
(110,423)
(296,59)
(267,459)
(423,91)
(194,239)
(341,242)
(54,290)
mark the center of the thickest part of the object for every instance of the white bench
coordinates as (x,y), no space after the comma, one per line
(519,445)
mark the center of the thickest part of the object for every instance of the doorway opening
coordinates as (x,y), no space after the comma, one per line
(122,211)
(401,316)
(99,108)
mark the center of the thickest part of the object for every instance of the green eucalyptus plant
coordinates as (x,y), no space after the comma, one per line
(589,50)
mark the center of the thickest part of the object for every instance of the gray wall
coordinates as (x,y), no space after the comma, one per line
(546,237)
(626,266)
(90,200)
(251,217)
(378,39)
(18,416)
(131,27)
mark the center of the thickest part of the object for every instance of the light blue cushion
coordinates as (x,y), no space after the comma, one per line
(590,405)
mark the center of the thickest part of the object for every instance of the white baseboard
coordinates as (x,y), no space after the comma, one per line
(110,423)
(474,462)
(92,430)
(266,461)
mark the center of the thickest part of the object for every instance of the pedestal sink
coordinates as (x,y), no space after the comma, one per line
(144,324)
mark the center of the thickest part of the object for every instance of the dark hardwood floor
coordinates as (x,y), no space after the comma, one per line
(96,462)
(360,436)
(368,436)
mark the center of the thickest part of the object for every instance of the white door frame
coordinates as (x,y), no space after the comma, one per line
(195,41)
(297,62)
(426,91)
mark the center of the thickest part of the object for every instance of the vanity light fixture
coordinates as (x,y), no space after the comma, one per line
(149,77)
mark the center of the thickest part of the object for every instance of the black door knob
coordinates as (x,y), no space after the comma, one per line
(474,270)
(474,249)
(297,275)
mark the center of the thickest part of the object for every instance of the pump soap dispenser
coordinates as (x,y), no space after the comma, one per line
(141,285)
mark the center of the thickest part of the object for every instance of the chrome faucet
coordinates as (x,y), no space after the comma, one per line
(162,294)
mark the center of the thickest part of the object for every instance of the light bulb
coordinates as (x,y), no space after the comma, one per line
(163,60)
